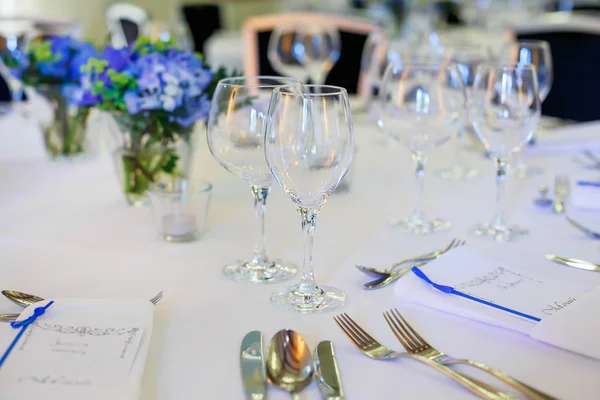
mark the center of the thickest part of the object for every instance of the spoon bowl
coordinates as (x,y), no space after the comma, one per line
(289,362)
(20,298)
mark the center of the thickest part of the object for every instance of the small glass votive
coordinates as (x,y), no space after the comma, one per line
(180,208)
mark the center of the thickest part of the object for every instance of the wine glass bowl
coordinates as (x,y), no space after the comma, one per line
(423,107)
(309,146)
(235,132)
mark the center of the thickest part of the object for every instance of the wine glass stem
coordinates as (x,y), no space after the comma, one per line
(458,148)
(260,207)
(309,218)
(501,169)
(419,175)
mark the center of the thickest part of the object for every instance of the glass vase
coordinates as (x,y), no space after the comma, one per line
(144,158)
(64,128)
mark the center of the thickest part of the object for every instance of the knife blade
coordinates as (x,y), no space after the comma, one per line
(328,372)
(575,263)
(9,317)
(252,366)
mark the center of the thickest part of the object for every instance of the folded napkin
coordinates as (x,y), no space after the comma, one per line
(567,140)
(523,291)
(79,349)
(585,193)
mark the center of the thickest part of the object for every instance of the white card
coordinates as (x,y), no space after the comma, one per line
(82,343)
(479,276)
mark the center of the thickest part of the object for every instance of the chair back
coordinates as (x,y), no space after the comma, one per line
(346,72)
(203,20)
(125,22)
(574,41)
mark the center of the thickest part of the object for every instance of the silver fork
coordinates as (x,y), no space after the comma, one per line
(373,349)
(12,317)
(561,190)
(415,344)
(385,272)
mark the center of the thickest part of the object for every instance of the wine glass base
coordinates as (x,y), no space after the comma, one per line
(500,233)
(420,226)
(271,271)
(458,172)
(314,300)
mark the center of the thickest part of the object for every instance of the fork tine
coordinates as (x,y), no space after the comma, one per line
(357,341)
(157,298)
(451,245)
(413,341)
(397,332)
(357,328)
(417,338)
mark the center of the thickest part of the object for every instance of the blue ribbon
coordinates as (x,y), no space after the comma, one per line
(37,312)
(588,183)
(450,290)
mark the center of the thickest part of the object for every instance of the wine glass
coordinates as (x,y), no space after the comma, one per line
(235,132)
(537,53)
(504,111)
(422,106)
(466,56)
(304,51)
(309,147)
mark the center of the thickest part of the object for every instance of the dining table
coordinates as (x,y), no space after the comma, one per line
(66,231)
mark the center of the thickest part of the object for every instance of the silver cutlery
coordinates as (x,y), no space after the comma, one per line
(585,230)
(373,349)
(573,262)
(21,299)
(12,317)
(415,344)
(327,372)
(385,272)
(592,157)
(252,366)
(289,362)
(561,191)
(385,281)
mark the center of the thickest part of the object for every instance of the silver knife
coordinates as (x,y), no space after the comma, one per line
(327,372)
(573,262)
(9,317)
(252,366)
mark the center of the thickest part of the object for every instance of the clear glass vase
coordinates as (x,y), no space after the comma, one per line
(64,129)
(143,158)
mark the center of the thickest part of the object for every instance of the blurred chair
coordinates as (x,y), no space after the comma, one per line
(125,22)
(574,42)
(203,20)
(347,71)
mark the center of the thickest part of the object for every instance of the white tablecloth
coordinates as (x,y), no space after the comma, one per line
(66,231)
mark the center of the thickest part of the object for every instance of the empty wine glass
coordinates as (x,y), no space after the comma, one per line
(422,106)
(304,51)
(309,147)
(537,53)
(466,56)
(235,132)
(504,110)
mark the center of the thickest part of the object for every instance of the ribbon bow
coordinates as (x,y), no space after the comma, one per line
(37,312)
(451,290)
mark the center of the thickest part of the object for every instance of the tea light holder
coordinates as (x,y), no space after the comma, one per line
(180,208)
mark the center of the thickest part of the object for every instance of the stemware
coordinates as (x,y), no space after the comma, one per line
(538,54)
(466,56)
(504,111)
(235,132)
(305,51)
(422,106)
(309,146)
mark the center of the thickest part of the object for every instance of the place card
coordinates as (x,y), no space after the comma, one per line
(78,343)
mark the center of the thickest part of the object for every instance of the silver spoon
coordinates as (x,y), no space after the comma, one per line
(289,362)
(20,298)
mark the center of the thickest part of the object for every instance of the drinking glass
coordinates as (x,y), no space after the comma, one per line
(538,54)
(422,106)
(309,147)
(505,110)
(466,56)
(235,132)
(304,51)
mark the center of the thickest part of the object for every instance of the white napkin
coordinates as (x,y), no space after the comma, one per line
(567,140)
(519,290)
(103,314)
(586,197)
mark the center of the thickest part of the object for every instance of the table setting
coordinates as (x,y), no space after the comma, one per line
(136,271)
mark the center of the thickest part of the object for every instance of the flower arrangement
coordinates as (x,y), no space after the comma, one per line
(53,67)
(155,93)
